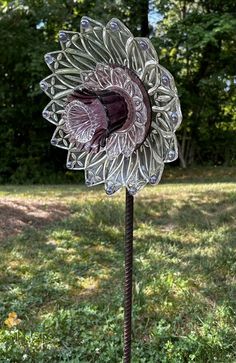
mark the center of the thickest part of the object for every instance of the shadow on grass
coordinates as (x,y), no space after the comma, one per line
(91,239)
(184,268)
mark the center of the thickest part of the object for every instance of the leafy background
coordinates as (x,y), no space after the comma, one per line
(195,40)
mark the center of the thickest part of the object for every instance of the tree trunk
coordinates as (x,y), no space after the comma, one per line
(181,157)
(144,9)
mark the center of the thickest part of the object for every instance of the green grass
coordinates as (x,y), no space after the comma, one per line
(64,279)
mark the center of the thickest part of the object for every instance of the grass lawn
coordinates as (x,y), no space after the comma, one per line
(61,272)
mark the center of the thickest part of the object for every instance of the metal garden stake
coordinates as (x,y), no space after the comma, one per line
(116,110)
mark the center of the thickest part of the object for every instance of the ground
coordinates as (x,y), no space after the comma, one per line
(61,272)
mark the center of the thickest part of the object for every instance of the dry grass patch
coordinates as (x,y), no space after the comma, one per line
(16,214)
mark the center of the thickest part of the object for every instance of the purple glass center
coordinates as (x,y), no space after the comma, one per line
(108,113)
(113,101)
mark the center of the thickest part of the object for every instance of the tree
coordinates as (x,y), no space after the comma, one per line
(197,41)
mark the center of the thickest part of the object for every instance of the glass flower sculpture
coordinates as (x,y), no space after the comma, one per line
(115,107)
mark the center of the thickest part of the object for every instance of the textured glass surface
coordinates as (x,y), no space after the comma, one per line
(109,58)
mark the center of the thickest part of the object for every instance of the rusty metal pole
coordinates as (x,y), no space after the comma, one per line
(128,276)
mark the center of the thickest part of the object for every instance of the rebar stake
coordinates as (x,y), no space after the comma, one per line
(128,276)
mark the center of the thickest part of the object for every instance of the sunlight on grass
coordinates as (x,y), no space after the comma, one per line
(63,280)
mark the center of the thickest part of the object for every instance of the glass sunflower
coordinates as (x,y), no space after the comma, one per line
(115,107)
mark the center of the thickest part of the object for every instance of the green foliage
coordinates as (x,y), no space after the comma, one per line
(196,40)
(64,280)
